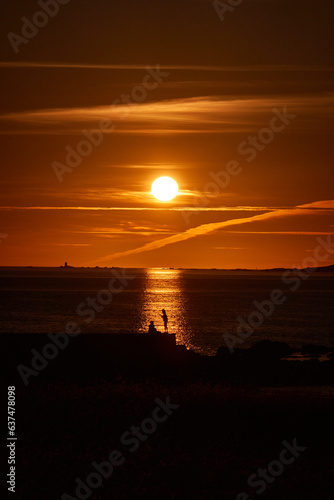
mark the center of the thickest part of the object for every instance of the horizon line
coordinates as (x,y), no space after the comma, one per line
(166,268)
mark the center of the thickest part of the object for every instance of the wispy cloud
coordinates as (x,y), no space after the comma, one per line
(145,209)
(204,113)
(327,205)
(191,67)
(126,227)
(321,205)
(155,166)
(295,233)
(230,248)
(66,244)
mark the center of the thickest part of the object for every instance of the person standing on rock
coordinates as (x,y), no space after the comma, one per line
(165,320)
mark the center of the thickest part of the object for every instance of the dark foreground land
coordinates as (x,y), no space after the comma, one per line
(184,426)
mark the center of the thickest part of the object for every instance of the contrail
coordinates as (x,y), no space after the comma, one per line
(199,231)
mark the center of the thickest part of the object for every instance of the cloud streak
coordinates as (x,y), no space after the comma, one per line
(203,113)
(295,233)
(148,209)
(321,205)
(193,67)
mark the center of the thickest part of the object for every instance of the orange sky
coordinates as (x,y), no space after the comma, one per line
(217,97)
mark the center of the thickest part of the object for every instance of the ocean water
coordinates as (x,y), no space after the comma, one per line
(201,305)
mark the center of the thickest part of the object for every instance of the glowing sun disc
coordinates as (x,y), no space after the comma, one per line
(164,188)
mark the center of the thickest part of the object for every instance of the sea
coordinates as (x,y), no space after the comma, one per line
(204,307)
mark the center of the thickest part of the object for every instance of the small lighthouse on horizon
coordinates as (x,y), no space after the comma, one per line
(66,266)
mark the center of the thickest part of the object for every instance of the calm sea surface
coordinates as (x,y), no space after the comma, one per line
(201,304)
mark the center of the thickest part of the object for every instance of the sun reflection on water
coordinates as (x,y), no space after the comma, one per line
(164,289)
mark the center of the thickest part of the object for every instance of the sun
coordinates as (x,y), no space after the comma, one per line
(164,188)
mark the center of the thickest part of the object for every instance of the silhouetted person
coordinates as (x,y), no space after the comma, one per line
(151,328)
(165,319)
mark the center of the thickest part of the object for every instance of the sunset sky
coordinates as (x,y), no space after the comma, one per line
(174,91)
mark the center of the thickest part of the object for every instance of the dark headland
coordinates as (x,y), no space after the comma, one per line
(231,413)
(94,356)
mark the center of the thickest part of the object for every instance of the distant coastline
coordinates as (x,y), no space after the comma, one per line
(324,269)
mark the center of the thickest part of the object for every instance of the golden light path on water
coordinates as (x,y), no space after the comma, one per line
(164,289)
